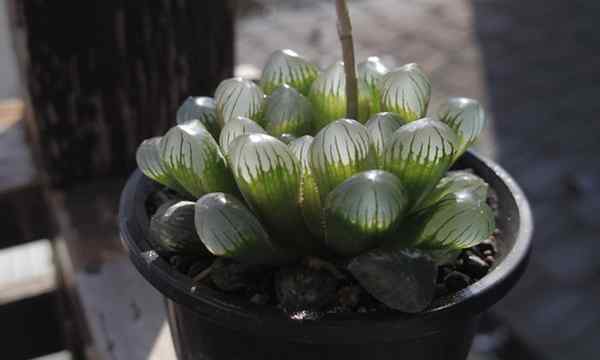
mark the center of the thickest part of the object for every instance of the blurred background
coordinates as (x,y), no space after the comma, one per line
(82,83)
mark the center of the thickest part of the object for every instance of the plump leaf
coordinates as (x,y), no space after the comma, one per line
(340,150)
(371,72)
(229,229)
(239,97)
(288,112)
(236,128)
(287,138)
(310,199)
(381,127)
(191,155)
(328,96)
(466,117)
(403,280)
(406,91)
(172,229)
(420,153)
(287,67)
(150,164)
(456,182)
(268,175)
(458,221)
(203,109)
(362,211)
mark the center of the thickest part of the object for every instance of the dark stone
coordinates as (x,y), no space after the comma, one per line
(349,296)
(231,276)
(402,280)
(182,263)
(441,290)
(487,246)
(199,266)
(474,266)
(456,281)
(304,288)
(260,299)
(490,260)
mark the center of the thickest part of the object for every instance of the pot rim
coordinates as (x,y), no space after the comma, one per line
(234,312)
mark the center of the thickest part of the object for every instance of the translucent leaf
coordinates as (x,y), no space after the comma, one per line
(229,229)
(236,128)
(288,112)
(191,155)
(459,221)
(203,109)
(239,97)
(455,182)
(371,72)
(340,150)
(420,153)
(362,211)
(172,229)
(150,164)
(310,200)
(403,280)
(287,67)
(381,127)
(328,96)
(466,117)
(406,91)
(268,175)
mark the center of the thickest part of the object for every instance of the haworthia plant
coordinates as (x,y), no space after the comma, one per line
(191,155)
(172,229)
(419,153)
(203,109)
(328,97)
(229,229)
(287,67)
(459,221)
(239,97)
(456,182)
(310,199)
(406,91)
(236,128)
(371,72)
(466,117)
(340,150)
(268,175)
(149,162)
(362,211)
(288,112)
(381,128)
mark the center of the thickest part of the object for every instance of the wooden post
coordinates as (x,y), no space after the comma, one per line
(103,75)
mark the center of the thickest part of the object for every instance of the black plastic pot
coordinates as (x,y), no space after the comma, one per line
(210,325)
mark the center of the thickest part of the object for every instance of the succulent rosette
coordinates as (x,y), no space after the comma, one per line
(278,173)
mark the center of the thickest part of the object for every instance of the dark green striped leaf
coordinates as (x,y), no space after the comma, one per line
(362,211)
(466,117)
(288,112)
(191,155)
(227,228)
(381,128)
(203,109)
(287,67)
(268,175)
(455,182)
(406,91)
(149,162)
(340,150)
(239,97)
(236,128)
(172,229)
(371,72)
(420,153)
(328,96)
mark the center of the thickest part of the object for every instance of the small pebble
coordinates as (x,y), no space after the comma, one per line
(349,296)
(490,260)
(199,266)
(182,263)
(487,246)
(488,253)
(441,290)
(456,281)
(260,299)
(475,266)
(301,287)
(230,276)
(362,309)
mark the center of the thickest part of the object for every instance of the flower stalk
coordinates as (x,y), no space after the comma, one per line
(345,34)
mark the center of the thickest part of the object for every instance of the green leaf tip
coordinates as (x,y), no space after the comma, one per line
(456,182)
(239,97)
(191,155)
(227,228)
(150,164)
(203,109)
(406,91)
(362,211)
(420,153)
(288,113)
(236,128)
(371,72)
(381,128)
(466,117)
(287,67)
